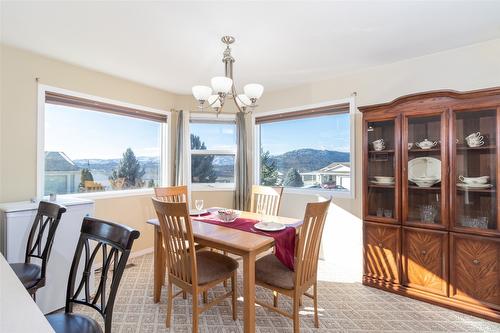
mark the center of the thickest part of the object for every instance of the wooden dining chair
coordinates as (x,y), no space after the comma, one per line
(269,197)
(270,273)
(115,242)
(38,247)
(194,272)
(172,194)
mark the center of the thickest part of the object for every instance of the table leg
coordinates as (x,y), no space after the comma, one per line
(249,292)
(158,275)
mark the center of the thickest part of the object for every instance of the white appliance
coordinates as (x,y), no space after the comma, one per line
(16,219)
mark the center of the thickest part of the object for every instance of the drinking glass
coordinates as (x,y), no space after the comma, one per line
(261,210)
(199,206)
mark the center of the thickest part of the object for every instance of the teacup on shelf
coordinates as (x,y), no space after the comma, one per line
(378,145)
(426,144)
(474,180)
(474,140)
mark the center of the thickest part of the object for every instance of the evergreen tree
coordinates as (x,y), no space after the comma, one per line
(268,169)
(151,183)
(85,174)
(202,169)
(293,178)
(130,170)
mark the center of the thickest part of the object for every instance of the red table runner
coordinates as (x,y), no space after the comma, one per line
(284,240)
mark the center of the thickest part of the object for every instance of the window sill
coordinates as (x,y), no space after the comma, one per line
(321,192)
(109,194)
(212,188)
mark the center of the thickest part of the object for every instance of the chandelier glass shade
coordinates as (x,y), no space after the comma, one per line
(223,88)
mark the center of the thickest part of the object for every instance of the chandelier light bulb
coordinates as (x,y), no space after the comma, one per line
(201,93)
(243,101)
(214,101)
(222,84)
(253,90)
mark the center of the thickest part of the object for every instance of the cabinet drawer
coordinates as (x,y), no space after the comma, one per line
(425,260)
(381,251)
(475,269)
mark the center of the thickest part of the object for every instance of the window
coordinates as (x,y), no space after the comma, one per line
(213,152)
(93,146)
(308,149)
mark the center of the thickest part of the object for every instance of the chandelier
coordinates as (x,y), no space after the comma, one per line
(223,88)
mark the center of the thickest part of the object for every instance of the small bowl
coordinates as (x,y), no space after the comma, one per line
(425,183)
(227,215)
(384,179)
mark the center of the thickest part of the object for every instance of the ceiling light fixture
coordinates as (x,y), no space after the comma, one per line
(223,88)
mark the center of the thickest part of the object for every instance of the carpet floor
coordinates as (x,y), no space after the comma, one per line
(343,307)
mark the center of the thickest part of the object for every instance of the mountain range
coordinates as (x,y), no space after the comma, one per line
(305,160)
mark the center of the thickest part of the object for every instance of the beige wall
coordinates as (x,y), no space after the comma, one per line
(18,127)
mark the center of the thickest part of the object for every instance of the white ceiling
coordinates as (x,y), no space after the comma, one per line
(174,45)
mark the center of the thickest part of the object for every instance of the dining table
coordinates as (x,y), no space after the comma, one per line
(247,245)
(18,312)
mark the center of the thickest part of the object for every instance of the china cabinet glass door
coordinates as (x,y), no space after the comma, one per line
(382,163)
(424,170)
(474,170)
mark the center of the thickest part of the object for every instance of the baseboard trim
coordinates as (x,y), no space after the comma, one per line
(142,252)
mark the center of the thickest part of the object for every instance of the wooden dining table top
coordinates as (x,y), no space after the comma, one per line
(235,240)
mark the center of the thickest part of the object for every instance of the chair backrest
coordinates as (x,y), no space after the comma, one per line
(42,233)
(269,197)
(114,241)
(307,255)
(172,194)
(178,238)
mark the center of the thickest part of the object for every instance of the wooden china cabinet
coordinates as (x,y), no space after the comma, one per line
(430,205)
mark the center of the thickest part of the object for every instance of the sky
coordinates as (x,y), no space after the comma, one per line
(323,133)
(84,134)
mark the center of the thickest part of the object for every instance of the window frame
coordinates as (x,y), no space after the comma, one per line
(164,145)
(351,194)
(213,118)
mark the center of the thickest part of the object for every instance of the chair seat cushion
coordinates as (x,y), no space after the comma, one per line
(29,274)
(213,266)
(72,322)
(270,270)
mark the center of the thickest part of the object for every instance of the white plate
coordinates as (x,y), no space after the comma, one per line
(424,167)
(197,212)
(269,226)
(474,186)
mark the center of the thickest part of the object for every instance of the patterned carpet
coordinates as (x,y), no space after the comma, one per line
(343,307)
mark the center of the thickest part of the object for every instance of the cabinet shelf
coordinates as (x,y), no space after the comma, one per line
(482,148)
(479,190)
(418,150)
(381,186)
(377,152)
(418,188)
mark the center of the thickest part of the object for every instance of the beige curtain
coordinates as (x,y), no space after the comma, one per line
(179,162)
(241,176)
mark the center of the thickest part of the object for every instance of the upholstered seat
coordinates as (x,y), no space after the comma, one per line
(213,266)
(270,270)
(71,322)
(29,274)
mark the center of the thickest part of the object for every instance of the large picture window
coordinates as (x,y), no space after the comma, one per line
(90,146)
(308,150)
(213,153)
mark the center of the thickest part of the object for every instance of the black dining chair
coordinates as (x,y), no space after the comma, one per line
(114,241)
(38,248)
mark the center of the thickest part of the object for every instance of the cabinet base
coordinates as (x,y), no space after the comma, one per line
(453,304)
